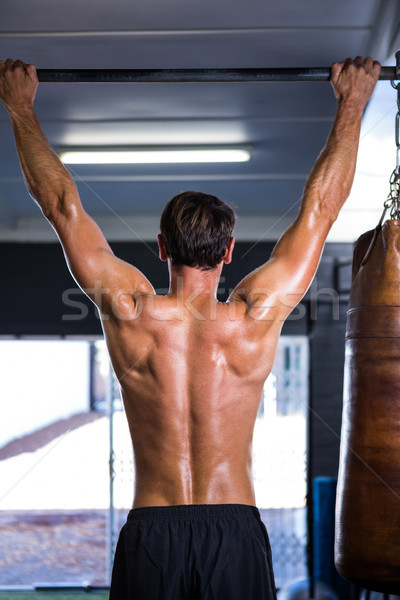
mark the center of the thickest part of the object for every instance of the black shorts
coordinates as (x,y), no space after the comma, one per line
(193,552)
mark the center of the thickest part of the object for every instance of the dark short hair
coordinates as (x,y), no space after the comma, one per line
(196,229)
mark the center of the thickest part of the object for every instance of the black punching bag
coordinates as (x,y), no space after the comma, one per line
(367,538)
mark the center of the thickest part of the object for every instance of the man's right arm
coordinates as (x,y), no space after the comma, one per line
(109,282)
(274,289)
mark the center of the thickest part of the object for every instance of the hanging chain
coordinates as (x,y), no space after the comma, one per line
(392,202)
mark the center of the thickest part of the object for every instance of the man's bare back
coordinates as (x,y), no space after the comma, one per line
(192,369)
(191,372)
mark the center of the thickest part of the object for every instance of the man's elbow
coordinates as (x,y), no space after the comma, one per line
(320,216)
(56,210)
(324,202)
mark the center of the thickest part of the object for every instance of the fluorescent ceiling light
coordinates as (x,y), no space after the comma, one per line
(128,157)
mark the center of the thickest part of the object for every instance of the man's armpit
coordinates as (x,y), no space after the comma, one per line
(261,306)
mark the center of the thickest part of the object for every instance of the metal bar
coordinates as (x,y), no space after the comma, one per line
(191,75)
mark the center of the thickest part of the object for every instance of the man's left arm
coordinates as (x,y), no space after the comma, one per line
(98,272)
(277,287)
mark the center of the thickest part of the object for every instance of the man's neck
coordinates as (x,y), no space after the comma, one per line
(186,281)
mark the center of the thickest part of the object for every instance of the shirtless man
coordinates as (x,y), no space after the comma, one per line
(191,368)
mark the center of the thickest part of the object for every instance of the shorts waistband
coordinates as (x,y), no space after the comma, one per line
(190,511)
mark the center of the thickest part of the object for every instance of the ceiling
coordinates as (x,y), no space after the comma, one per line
(284,124)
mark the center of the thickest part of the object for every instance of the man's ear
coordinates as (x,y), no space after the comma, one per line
(161,247)
(229,249)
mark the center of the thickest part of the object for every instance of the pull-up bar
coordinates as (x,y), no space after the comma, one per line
(192,75)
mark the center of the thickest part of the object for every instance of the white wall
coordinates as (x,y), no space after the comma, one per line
(40,383)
